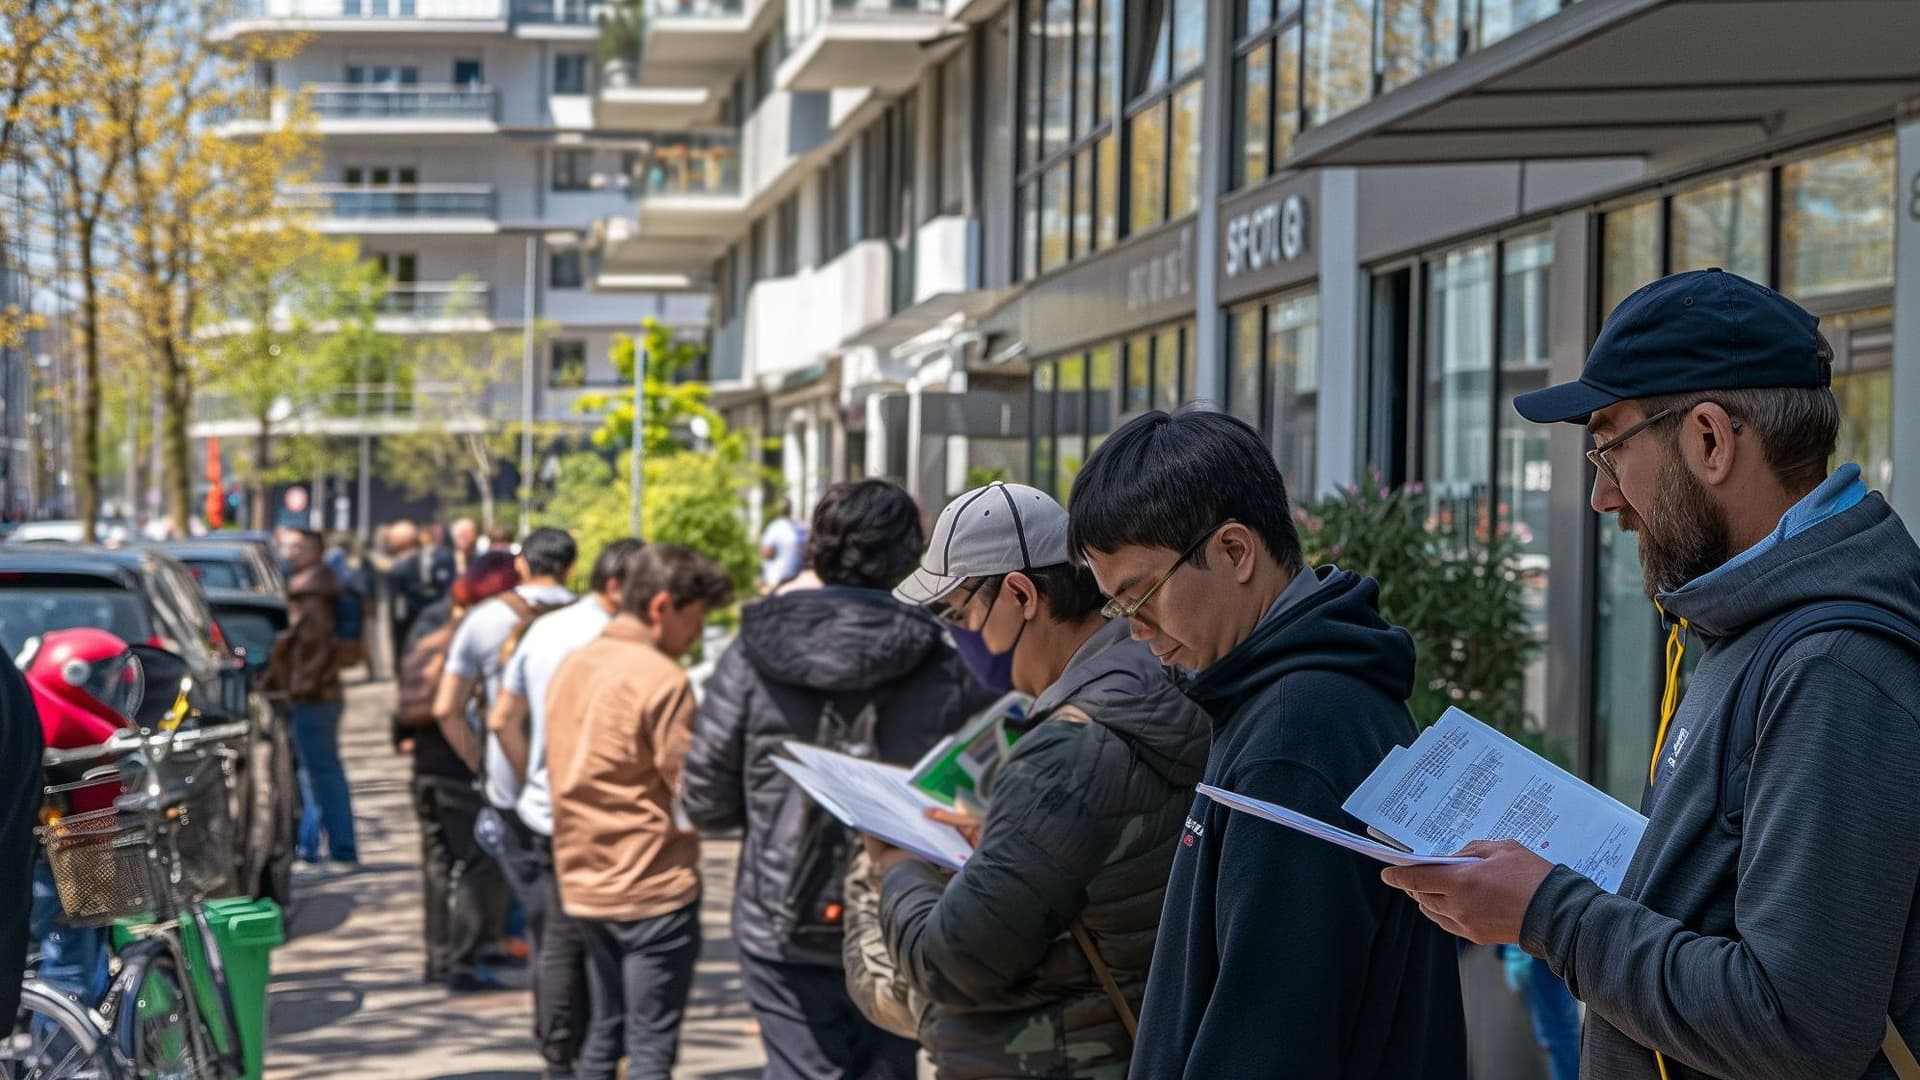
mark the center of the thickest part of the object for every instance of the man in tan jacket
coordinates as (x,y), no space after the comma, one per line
(619,722)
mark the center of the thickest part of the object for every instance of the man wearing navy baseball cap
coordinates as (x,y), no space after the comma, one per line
(1767,926)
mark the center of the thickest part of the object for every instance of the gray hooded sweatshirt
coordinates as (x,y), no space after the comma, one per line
(1778,952)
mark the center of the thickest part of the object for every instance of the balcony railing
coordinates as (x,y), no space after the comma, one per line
(395,200)
(554,12)
(360,102)
(370,9)
(697,164)
(420,400)
(437,299)
(806,16)
(694,9)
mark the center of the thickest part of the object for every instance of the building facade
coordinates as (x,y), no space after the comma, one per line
(970,239)
(464,146)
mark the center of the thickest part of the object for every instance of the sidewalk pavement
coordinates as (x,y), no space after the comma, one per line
(347,998)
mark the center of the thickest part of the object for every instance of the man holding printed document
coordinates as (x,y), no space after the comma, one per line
(1765,926)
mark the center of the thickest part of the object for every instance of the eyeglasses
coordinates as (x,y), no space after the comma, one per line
(1598,455)
(1117,608)
(955,614)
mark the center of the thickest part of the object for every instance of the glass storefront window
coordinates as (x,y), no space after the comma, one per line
(1625,679)
(1100,403)
(1083,201)
(1189,34)
(1107,198)
(1339,57)
(1041,409)
(1030,230)
(1183,177)
(1525,472)
(1245,337)
(1149,167)
(1863,387)
(1724,224)
(1057,78)
(1086,67)
(1069,422)
(1166,369)
(1139,387)
(1459,390)
(1503,18)
(1836,223)
(1255,83)
(1416,36)
(1293,373)
(1054,200)
(1631,256)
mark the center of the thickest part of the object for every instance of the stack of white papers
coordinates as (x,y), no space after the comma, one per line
(877,799)
(1462,781)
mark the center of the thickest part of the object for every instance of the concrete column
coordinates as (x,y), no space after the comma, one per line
(1906,321)
(1216,101)
(1342,320)
(1570,539)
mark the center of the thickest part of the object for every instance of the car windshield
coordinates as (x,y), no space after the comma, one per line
(251,633)
(220,574)
(28,611)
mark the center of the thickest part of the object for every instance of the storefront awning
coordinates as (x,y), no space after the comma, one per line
(1663,79)
(911,322)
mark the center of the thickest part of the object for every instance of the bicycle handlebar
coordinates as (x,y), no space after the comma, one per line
(127,741)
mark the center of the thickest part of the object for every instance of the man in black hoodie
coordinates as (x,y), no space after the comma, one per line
(847,667)
(1279,955)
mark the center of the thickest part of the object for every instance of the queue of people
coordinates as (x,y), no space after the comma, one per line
(1164,630)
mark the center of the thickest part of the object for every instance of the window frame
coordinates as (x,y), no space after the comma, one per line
(1036,161)
(575,276)
(561,60)
(556,362)
(577,174)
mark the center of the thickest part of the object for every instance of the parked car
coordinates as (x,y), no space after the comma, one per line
(221,563)
(142,595)
(106,530)
(271,815)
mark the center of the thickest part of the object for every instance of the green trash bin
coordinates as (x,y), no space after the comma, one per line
(246,932)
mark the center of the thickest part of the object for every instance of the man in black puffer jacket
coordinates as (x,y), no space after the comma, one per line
(844,666)
(1082,818)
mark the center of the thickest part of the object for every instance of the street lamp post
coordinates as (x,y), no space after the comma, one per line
(636,477)
(526,391)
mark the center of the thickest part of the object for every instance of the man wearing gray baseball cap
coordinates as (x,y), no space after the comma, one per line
(1044,937)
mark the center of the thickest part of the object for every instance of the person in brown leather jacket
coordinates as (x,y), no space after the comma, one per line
(306,666)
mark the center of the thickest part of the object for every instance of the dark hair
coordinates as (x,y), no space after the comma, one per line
(685,575)
(1070,592)
(312,536)
(1163,480)
(611,566)
(866,533)
(549,553)
(1798,426)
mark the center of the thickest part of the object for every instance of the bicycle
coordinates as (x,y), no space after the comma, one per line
(154,856)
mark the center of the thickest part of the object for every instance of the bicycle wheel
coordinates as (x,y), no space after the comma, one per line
(156,1025)
(54,1039)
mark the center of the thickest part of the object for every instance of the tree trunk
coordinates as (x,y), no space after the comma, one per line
(262,460)
(86,436)
(177,397)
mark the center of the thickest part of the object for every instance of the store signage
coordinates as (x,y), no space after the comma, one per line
(1274,232)
(1149,281)
(1163,276)
(1266,238)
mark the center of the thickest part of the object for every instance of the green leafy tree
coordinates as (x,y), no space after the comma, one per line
(696,470)
(1457,591)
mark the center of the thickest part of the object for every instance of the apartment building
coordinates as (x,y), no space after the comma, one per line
(462,145)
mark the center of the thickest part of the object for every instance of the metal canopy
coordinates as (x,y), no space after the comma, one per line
(1658,79)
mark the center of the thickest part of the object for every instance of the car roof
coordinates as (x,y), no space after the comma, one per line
(71,560)
(187,549)
(244,598)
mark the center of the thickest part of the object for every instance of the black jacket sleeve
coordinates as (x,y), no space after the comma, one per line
(20,745)
(1049,831)
(713,788)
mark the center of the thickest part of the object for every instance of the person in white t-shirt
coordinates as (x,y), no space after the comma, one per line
(518,722)
(783,548)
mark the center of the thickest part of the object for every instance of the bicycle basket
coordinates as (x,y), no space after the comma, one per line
(204,837)
(100,867)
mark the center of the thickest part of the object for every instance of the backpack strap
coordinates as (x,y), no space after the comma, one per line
(1107,982)
(1743,733)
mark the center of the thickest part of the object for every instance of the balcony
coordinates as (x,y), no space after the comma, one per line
(555,12)
(398,208)
(693,35)
(334,102)
(884,44)
(368,409)
(363,17)
(437,301)
(624,102)
(1566,79)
